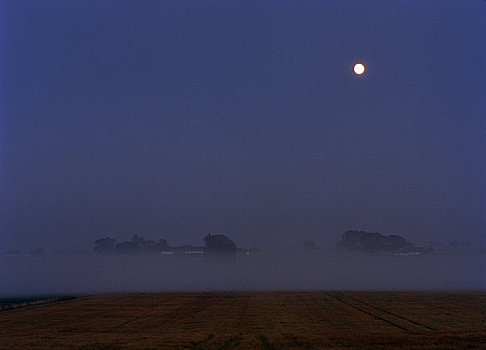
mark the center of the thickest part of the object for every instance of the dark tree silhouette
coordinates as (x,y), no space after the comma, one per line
(151,247)
(138,239)
(219,244)
(395,242)
(374,242)
(139,245)
(126,248)
(164,245)
(104,245)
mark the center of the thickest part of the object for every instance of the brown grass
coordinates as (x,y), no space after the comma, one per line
(280,320)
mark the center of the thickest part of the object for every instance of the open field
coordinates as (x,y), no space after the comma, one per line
(260,320)
(14,303)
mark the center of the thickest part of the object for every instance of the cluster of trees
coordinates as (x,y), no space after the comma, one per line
(137,245)
(219,244)
(213,244)
(359,241)
(374,242)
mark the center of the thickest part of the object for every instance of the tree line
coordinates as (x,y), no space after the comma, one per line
(213,244)
(217,244)
(375,242)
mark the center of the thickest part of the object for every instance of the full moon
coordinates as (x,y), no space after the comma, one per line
(359,68)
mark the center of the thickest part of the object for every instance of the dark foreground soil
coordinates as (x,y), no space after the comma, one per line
(273,320)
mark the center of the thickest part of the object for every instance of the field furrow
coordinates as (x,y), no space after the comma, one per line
(273,320)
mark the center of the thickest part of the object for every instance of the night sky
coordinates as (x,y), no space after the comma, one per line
(173,119)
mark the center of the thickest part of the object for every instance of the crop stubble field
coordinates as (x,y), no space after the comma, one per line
(258,320)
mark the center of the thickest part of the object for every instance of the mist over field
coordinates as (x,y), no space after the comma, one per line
(284,270)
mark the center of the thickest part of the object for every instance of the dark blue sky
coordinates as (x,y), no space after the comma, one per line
(177,118)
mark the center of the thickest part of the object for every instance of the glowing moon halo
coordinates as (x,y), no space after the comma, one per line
(359,68)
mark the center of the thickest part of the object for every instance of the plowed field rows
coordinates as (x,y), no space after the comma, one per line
(273,320)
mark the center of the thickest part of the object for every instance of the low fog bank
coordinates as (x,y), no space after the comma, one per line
(285,270)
